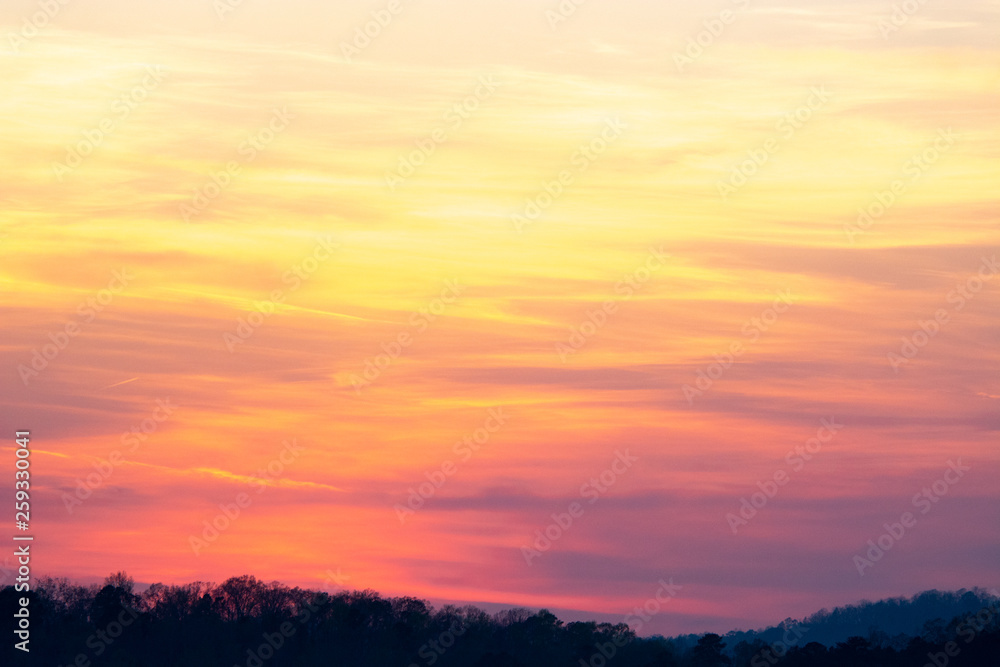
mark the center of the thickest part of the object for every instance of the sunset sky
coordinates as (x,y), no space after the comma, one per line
(495,263)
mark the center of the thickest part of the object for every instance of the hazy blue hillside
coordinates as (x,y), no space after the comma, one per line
(889,622)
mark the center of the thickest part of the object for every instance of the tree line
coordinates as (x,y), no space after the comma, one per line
(245,622)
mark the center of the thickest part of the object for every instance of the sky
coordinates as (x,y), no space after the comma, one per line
(508,303)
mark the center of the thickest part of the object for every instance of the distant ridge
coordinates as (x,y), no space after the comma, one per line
(890,622)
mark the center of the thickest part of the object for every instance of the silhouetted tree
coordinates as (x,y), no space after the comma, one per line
(710,652)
